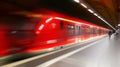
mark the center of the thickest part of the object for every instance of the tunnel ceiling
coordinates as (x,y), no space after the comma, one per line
(108,9)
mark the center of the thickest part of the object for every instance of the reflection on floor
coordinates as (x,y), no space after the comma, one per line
(105,53)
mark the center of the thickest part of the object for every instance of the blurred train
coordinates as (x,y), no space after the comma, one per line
(26,32)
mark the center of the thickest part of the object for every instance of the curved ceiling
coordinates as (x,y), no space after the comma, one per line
(108,9)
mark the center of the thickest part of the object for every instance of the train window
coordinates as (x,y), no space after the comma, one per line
(91,30)
(77,30)
(61,25)
(70,27)
(78,27)
(71,30)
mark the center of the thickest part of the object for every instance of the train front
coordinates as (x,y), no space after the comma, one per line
(16,33)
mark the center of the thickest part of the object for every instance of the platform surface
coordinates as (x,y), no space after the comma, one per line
(104,53)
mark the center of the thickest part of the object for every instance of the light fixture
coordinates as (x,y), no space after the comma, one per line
(95,14)
(77,1)
(91,11)
(118,24)
(83,5)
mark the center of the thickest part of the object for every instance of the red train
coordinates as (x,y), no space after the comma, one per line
(25,32)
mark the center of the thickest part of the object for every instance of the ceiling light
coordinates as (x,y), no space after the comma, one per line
(90,11)
(83,5)
(99,17)
(106,22)
(118,24)
(77,1)
(95,14)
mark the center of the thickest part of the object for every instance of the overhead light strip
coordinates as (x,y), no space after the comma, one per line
(91,11)
(83,5)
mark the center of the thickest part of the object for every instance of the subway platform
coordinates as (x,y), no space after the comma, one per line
(104,53)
